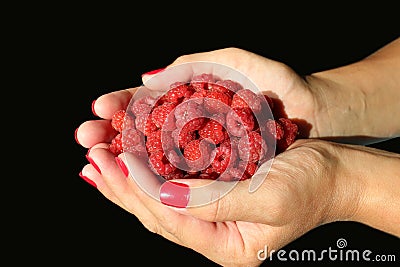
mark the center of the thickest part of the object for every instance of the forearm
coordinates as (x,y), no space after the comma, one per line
(362,99)
(369,188)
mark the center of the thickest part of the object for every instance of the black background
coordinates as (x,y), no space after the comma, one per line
(89,51)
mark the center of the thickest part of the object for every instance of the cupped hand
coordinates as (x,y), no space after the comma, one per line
(300,192)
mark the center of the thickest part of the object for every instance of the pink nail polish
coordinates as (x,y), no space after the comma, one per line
(93,164)
(94,112)
(175,194)
(153,72)
(122,166)
(87,180)
(76,136)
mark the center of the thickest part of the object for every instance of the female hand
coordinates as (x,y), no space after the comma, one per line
(240,224)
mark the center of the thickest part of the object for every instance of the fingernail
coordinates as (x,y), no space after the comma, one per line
(153,72)
(94,112)
(76,136)
(87,180)
(122,166)
(87,153)
(93,164)
(175,194)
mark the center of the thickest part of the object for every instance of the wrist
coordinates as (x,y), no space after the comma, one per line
(366,189)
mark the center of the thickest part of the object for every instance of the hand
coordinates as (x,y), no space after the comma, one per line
(312,183)
(280,209)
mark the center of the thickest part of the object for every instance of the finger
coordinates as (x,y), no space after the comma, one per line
(121,188)
(106,105)
(170,223)
(227,201)
(94,176)
(92,132)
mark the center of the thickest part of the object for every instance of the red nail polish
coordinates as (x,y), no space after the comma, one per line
(88,151)
(122,166)
(93,164)
(76,136)
(94,112)
(87,180)
(175,194)
(153,72)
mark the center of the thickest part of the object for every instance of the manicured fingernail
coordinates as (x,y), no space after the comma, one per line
(93,163)
(122,166)
(76,135)
(94,112)
(175,194)
(87,180)
(153,72)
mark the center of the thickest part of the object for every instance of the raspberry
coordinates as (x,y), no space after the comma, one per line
(290,130)
(145,124)
(121,119)
(200,82)
(175,174)
(231,85)
(189,114)
(275,129)
(217,102)
(160,164)
(177,91)
(159,140)
(205,128)
(224,156)
(142,105)
(245,98)
(161,116)
(183,136)
(133,142)
(197,154)
(213,131)
(116,144)
(252,147)
(239,121)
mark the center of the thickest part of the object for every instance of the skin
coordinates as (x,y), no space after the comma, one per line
(314,182)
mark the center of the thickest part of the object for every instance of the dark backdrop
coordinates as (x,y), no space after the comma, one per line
(93,51)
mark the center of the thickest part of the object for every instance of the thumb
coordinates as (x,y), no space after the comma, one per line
(214,200)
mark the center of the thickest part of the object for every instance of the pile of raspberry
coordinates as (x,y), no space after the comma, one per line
(207,128)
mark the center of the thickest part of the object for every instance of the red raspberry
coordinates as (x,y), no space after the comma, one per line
(213,131)
(162,118)
(252,147)
(199,96)
(145,124)
(239,121)
(197,154)
(227,86)
(142,105)
(217,102)
(183,136)
(275,129)
(160,164)
(200,82)
(159,140)
(133,141)
(177,91)
(189,115)
(175,174)
(224,156)
(250,168)
(245,98)
(121,120)
(290,130)
(116,145)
